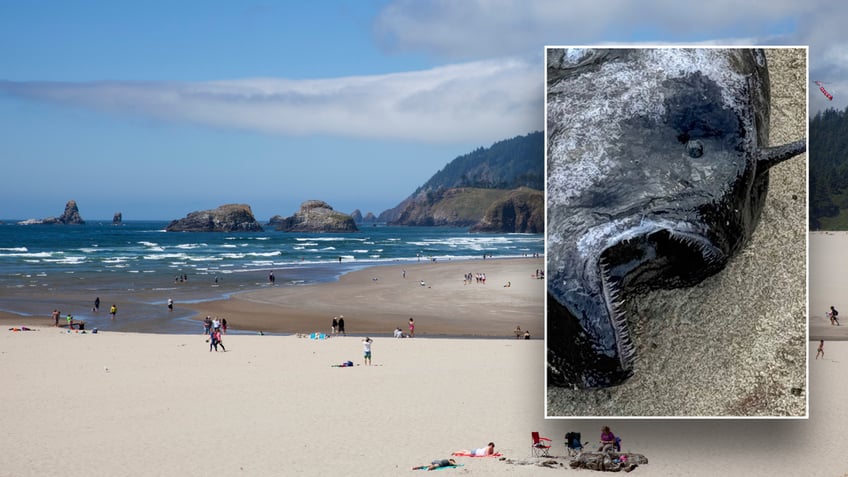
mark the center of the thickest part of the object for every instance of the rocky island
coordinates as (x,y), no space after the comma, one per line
(226,218)
(71,216)
(314,216)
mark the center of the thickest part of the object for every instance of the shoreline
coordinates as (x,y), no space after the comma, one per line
(444,307)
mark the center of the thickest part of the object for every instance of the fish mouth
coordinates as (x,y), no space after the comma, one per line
(598,350)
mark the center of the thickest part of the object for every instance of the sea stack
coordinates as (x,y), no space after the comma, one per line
(315,216)
(226,218)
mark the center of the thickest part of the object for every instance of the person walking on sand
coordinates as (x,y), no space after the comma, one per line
(113,311)
(218,340)
(366,348)
(56,315)
(341,325)
(411,327)
(834,320)
(334,326)
(820,352)
(224,325)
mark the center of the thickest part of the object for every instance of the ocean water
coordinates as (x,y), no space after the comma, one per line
(142,265)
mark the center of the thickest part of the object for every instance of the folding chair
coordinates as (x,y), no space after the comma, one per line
(540,445)
(573,444)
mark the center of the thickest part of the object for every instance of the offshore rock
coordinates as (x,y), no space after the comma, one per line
(71,216)
(226,218)
(315,216)
(522,211)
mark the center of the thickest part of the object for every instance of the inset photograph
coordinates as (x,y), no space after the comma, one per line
(676,232)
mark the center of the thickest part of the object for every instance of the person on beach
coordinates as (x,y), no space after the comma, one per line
(411,327)
(218,340)
(366,348)
(398,332)
(607,440)
(271,278)
(518,332)
(341,325)
(215,324)
(479,452)
(207,325)
(113,310)
(224,325)
(96,304)
(70,320)
(334,326)
(834,320)
(170,304)
(820,352)
(436,464)
(56,315)
(213,342)
(526,334)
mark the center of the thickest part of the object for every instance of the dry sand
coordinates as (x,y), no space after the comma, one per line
(735,345)
(139,404)
(828,267)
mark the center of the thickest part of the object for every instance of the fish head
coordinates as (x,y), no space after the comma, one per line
(653,182)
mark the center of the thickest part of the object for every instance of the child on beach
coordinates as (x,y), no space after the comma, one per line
(366,345)
(820,352)
(113,311)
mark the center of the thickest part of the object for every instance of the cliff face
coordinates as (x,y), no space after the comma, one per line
(521,211)
(315,216)
(226,218)
(485,210)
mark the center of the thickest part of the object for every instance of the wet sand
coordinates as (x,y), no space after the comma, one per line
(377,300)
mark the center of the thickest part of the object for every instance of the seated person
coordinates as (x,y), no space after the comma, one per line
(398,333)
(607,440)
(436,464)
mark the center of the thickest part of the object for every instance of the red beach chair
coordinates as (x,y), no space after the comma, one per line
(540,445)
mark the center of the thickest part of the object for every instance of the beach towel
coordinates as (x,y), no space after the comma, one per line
(466,454)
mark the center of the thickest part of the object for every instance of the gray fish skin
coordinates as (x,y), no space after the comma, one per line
(657,166)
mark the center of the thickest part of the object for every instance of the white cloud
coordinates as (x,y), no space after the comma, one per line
(479,101)
(484,28)
(493,28)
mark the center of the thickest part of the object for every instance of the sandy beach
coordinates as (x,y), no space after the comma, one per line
(828,263)
(376,300)
(139,404)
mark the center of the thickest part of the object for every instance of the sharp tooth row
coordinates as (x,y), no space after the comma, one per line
(627,351)
(708,253)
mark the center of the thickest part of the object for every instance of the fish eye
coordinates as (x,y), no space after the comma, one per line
(695,148)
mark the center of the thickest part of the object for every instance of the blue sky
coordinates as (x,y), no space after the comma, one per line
(156,109)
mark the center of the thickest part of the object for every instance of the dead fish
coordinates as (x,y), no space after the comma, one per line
(657,170)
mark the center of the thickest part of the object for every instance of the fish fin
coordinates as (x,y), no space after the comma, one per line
(770,156)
